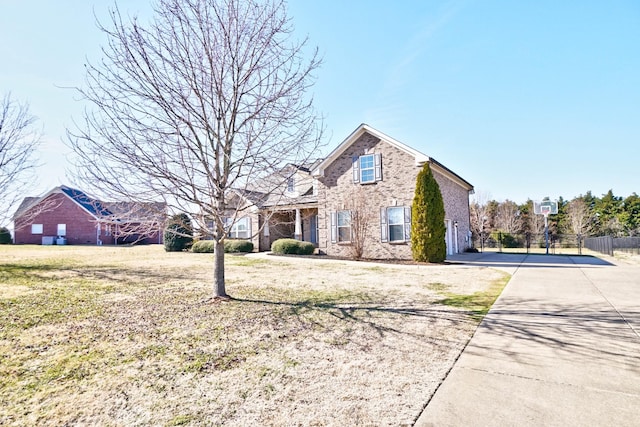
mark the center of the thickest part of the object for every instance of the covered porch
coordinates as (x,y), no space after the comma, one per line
(289,222)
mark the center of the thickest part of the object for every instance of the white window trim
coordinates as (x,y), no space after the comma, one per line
(385,225)
(348,226)
(37,229)
(358,169)
(63,228)
(371,168)
(390,224)
(234,233)
(335,229)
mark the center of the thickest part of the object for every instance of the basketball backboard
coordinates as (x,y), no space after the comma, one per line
(545,207)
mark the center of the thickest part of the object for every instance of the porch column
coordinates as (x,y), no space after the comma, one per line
(297,234)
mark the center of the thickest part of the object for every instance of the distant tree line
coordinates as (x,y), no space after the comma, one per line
(585,215)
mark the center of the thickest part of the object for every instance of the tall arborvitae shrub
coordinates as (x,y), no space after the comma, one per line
(178,235)
(427,219)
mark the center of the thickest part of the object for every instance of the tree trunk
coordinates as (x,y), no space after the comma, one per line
(219,290)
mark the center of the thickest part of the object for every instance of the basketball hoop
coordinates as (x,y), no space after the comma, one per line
(546,207)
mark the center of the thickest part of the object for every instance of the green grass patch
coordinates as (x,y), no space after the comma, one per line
(436,286)
(180,420)
(477,304)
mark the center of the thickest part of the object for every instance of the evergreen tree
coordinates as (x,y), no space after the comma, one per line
(178,235)
(5,236)
(608,209)
(630,217)
(427,219)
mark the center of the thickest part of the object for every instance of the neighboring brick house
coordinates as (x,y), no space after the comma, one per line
(369,176)
(68,216)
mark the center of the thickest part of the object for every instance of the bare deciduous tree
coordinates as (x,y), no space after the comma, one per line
(536,223)
(19,140)
(362,215)
(579,217)
(208,97)
(479,215)
(508,217)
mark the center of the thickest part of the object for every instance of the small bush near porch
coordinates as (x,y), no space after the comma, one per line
(292,247)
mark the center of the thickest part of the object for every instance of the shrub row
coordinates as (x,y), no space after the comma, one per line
(292,247)
(230,246)
(280,246)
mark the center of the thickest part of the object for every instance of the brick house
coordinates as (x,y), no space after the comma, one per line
(363,190)
(68,216)
(375,173)
(285,205)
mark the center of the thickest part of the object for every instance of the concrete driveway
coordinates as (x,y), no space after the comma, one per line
(561,347)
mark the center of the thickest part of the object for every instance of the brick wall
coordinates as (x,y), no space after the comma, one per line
(58,209)
(336,191)
(81,227)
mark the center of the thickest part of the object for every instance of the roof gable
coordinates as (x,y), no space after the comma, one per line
(419,157)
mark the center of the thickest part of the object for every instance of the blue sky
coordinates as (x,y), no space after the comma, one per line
(524,99)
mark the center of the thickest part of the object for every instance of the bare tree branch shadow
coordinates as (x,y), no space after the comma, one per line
(377,316)
(585,332)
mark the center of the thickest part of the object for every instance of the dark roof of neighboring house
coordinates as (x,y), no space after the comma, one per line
(112,211)
(93,206)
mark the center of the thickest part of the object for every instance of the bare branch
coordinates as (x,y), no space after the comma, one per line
(209,97)
(19,140)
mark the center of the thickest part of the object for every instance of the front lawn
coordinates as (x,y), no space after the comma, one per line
(130,336)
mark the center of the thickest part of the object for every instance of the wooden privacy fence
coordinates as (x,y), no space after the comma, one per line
(608,244)
(603,244)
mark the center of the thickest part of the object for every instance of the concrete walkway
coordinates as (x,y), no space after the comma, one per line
(561,347)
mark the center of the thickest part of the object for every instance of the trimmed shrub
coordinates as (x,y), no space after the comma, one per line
(178,235)
(306,248)
(203,246)
(292,247)
(237,246)
(5,236)
(230,246)
(427,219)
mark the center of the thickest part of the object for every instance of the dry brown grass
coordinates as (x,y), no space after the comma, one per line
(129,336)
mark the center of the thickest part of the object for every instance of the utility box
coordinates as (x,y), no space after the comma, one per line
(48,240)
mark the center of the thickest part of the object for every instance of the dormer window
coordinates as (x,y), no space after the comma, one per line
(367,168)
(291,184)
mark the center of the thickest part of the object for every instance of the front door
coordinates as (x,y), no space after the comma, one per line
(449,237)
